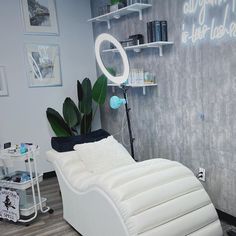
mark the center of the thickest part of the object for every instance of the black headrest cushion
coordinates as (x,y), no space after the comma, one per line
(66,144)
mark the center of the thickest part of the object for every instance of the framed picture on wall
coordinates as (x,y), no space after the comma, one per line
(40,16)
(3,82)
(43,65)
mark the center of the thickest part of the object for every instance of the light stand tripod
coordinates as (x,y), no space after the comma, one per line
(127,110)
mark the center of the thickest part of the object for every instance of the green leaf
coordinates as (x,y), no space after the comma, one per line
(85,105)
(111,71)
(99,91)
(71,113)
(86,123)
(59,126)
(79,91)
(115,1)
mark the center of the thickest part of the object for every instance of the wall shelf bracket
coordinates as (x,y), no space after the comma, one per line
(160,51)
(108,24)
(160,47)
(140,15)
(140,12)
(144,91)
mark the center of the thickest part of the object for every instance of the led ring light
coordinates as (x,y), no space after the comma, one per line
(115,79)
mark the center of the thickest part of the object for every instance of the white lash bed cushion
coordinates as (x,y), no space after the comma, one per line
(119,197)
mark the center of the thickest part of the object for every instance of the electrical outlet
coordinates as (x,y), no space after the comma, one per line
(202,174)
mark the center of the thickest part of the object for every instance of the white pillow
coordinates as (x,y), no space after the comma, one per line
(104,155)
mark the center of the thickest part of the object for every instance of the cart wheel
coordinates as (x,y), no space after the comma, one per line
(27,225)
(1,219)
(51,211)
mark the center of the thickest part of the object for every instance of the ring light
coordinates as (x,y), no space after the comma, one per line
(115,79)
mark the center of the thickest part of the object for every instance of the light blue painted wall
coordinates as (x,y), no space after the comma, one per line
(22,113)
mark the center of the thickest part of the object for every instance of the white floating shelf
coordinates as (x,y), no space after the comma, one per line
(139,47)
(133,86)
(136,7)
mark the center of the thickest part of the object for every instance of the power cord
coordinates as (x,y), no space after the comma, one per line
(121,132)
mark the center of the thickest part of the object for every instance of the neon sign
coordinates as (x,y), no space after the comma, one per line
(210,19)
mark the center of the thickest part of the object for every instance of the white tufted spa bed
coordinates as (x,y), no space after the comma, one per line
(106,193)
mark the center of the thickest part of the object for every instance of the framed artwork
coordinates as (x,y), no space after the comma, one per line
(40,16)
(3,82)
(43,65)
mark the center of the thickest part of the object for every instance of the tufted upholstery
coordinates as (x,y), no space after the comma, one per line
(157,197)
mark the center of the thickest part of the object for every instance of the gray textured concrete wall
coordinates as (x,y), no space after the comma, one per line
(193,79)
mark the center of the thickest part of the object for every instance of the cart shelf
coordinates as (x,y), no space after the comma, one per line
(29,208)
(22,185)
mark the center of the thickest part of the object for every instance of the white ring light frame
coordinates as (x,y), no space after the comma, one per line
(115,79)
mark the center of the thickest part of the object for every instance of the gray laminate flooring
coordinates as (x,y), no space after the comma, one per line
(45,224)
(50,225)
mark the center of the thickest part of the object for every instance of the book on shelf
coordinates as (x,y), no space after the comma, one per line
(153,39)
(157,31)
(149,32)
(164,31)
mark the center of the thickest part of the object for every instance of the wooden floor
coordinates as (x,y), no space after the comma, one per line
(50,225)
(45,224)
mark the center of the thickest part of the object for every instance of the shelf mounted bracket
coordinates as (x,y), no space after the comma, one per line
(160,51)
(144,91)
(140,14)
(160,47)
(108,24)
(139,11)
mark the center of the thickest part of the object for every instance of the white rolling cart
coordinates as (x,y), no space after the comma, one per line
(29,204)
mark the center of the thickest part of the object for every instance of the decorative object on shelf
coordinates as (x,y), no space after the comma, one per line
(143,86)
(78,120)
(136,39)
(104,9)
(164,31)
(140,77)
(133,40)
(3,82)
(40,16)
(117,4)
(157,31)
(130,2)
(136,76)
(43,65)
(149,78)
(120,80)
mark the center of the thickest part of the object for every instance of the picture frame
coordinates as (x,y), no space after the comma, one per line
(43,65)
(40,17)
(3,82)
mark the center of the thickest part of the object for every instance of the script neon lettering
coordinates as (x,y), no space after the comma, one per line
(203,28)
